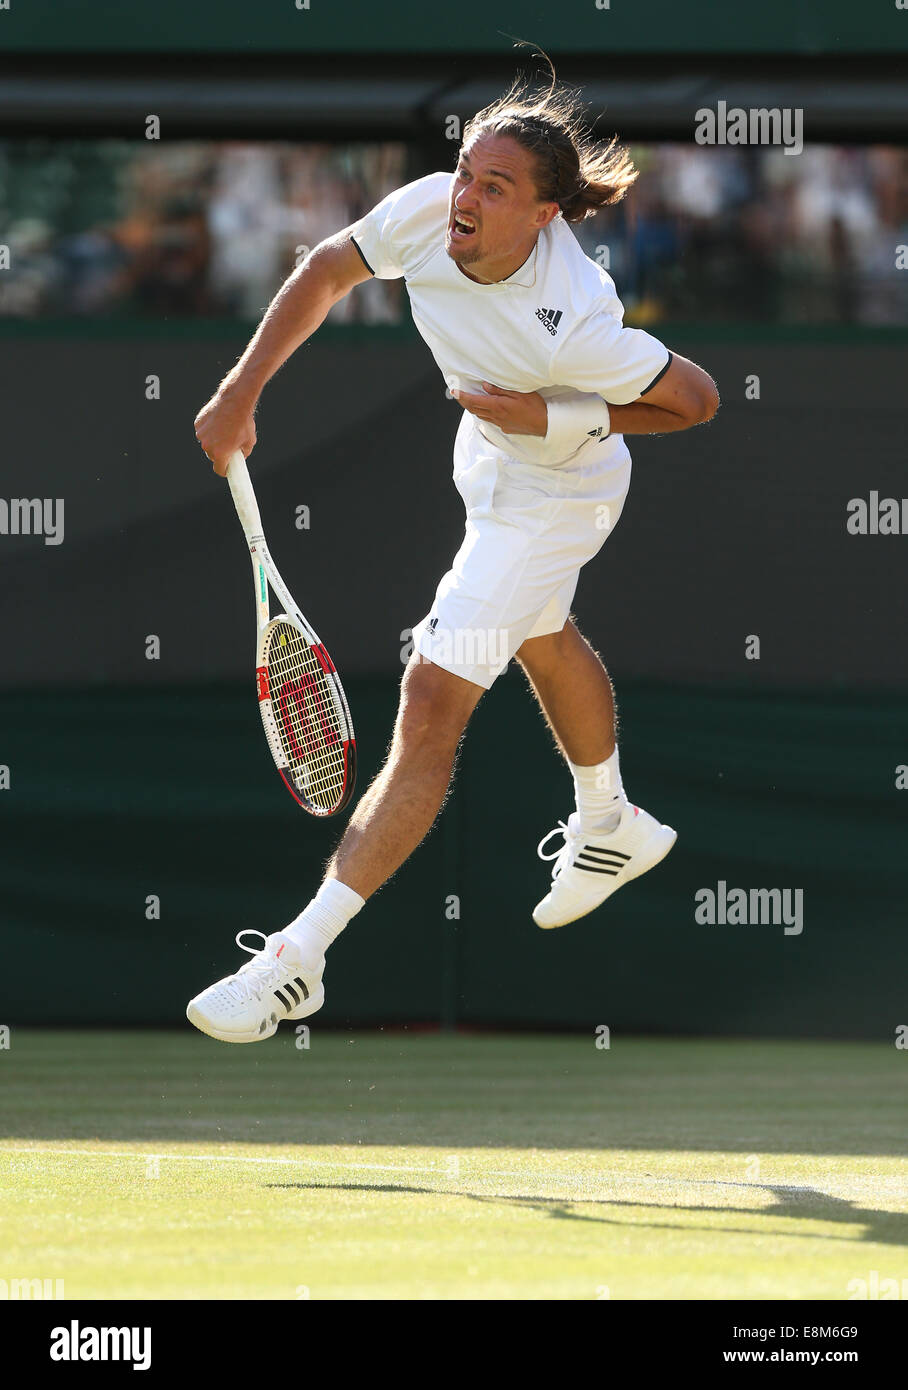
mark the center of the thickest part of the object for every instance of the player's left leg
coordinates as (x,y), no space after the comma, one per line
(575,693)
(607,841)
(398,809)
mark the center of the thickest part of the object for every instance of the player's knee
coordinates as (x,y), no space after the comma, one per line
(541,654)
(433,709)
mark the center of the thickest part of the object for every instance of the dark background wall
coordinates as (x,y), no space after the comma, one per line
(124,780)
(229,25)
(119,795)
(132,777)
(732,530)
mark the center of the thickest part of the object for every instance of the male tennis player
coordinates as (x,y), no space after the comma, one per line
(528,334)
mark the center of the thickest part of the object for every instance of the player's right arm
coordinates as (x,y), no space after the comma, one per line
(302,303)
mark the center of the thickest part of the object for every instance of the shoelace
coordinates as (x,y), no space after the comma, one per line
(256,977)
(564,853)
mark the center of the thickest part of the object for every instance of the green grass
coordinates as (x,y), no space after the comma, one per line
(406,1165)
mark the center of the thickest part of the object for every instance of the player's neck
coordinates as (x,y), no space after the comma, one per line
(492,272)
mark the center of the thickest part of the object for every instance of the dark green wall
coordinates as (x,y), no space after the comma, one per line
(233,26)
(129,778)
(120,794)
(735,529)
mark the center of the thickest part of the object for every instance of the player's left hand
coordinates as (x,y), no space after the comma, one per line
(514,412)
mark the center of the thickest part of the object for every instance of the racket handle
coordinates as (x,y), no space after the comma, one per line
(247,509)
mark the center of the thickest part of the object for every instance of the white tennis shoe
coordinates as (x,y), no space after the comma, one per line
(590,868)
(271,987)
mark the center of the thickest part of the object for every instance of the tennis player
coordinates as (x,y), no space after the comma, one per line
(528,334)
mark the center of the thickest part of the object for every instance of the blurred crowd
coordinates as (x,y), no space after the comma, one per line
(109,228)
(180,230)
(752,233)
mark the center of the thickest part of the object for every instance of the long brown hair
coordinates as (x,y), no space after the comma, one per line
(572,170)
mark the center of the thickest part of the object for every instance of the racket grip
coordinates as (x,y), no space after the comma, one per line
(247,508)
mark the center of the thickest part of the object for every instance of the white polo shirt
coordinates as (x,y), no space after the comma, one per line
(555,326)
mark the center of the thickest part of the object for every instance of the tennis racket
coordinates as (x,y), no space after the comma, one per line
(302,703)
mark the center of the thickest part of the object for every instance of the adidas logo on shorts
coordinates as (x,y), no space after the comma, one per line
(550,318)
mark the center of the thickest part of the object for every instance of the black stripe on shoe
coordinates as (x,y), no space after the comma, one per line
(603,851)
(591,869)
(283,999)
(298,981)
(293,994)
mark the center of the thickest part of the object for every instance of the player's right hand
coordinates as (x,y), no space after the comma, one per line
(224,425)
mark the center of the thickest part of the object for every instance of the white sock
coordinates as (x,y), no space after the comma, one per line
(323,920)
(600,795)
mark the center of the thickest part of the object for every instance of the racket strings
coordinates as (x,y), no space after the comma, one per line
(309,722)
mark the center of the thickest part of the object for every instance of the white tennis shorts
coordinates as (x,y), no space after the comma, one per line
(529,531)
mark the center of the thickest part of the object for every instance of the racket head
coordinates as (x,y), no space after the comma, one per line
(305,716)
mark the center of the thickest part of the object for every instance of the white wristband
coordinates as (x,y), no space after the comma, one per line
(572,420)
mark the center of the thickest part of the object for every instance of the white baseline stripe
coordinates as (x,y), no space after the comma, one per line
(215,1158)
(583,1179)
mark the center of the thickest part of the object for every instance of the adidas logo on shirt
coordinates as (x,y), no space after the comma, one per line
(550,318)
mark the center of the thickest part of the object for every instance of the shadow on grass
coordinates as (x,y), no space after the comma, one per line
(799,1204)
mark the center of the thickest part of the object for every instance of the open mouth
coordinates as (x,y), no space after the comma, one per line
(462,226)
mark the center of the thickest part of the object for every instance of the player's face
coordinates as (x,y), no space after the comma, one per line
(494,211)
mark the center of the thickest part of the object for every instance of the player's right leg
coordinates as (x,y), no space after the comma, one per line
(284,978)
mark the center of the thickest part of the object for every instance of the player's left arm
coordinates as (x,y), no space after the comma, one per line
(685,395)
